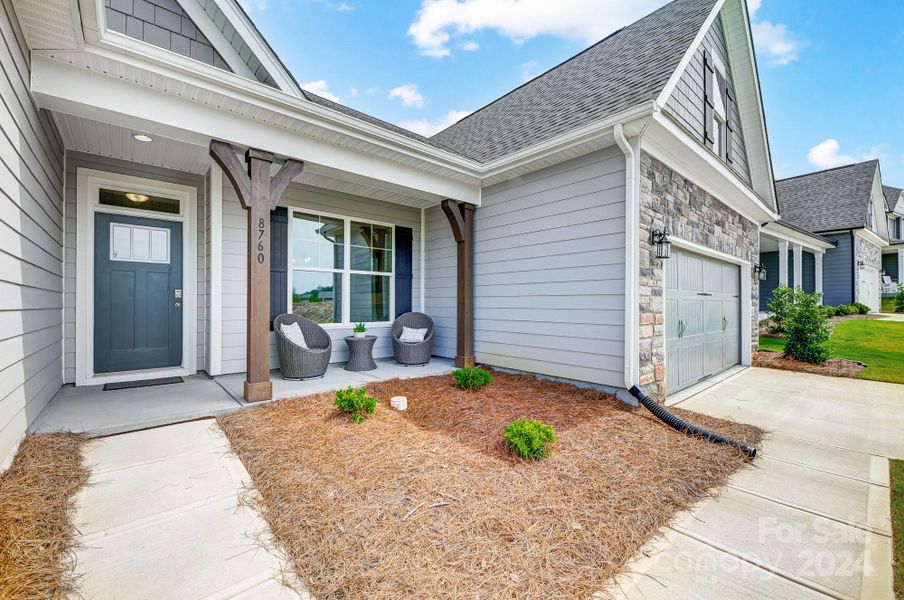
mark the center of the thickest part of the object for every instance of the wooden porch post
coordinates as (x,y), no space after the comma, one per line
(461,219)
(258,194)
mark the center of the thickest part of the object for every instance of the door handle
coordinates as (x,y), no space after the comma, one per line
(178,305)
(724,323)
(680,328)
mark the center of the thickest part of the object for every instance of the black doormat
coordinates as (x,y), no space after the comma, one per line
(128,385)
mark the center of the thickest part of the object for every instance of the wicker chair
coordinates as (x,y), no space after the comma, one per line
(417,353)
(296,362)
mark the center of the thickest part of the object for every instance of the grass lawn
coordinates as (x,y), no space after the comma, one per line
(429,503)
(876,343)
(897,523)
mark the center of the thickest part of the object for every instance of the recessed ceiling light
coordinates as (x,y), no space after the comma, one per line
(142,137)
(137,197)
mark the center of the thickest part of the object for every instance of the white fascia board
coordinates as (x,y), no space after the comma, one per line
(216,37)
(777,230)
(671,143)
(57,86)
(877,198)
(871,237)
(259,46)
(689,55)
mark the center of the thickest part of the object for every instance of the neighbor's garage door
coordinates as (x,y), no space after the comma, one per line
(702,318)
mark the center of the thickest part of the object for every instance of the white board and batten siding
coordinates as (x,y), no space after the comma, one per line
(76,160)
(549,268)
(235,268)
(31,245)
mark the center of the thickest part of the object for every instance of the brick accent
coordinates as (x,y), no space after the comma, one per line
(669,201)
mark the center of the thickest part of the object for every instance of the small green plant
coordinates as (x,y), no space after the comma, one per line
(843,310)
(899,299)
(356,402)
(470,378)
(779,307)
(529,438)
(828,311)
(862,309)
(807,329)
(360,328)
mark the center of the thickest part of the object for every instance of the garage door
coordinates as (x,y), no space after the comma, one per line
(868,288)
(702,318)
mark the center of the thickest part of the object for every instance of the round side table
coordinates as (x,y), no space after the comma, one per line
(360,353)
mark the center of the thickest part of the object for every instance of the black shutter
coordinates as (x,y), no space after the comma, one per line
(708,99)
(403,270)
(729,128)
(279,261)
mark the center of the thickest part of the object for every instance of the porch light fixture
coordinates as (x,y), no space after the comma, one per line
(661,240)
(139,198)
(142,137)
(760,271)
(860,263)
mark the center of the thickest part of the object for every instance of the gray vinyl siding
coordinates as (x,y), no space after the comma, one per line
(235,244)
(549,268)
(440,280)
(809,272)
(768,285)
(686,102)
(31,245)
(75,160)
(838,270)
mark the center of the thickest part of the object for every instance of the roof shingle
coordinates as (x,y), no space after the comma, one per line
(625,69)
(891,196)
(828,200)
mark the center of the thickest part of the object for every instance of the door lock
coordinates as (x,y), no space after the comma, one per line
(177,293)
(178,305)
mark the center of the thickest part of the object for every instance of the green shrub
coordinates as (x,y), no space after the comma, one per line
(472,377)
(779,307)
(899,298)
(356,402)
(529,438)
(843,310)
(828,311)
(861,308)
(807,330)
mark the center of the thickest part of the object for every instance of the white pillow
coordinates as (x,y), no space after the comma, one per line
(293,334)
(412,336)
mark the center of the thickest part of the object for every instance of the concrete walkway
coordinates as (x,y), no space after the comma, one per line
(160,518)
(809,518)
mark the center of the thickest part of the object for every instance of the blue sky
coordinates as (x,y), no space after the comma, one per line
(832,77)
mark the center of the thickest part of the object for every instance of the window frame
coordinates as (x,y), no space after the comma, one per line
(346,271)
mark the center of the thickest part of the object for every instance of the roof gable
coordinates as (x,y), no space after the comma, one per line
(894,199)
(829,200)
(625,69)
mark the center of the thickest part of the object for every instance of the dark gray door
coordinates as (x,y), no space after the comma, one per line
(702,307)
(137,293)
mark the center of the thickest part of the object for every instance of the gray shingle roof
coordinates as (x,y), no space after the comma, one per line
(891,196)
(828,200)
(629,67)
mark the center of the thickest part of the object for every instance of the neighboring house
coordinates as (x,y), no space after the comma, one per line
(893,254)
(127,249)
(845,205)
(791,256)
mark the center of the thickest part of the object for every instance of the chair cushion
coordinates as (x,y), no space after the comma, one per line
(293,334)
(412,336)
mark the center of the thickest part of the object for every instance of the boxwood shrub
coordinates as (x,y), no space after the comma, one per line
(469,378)
(529,438)
(356,402)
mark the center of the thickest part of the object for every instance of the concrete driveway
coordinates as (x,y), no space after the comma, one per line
(809,518)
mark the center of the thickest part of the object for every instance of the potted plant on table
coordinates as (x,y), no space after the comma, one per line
(360,330)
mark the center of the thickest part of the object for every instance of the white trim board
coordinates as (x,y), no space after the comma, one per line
(215,293)
(89,182)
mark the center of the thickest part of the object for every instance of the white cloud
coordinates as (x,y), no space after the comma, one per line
(584,20)
(320,88)
(353,92)
(426,127)
(753,6)
(826,154)
(408,94)
(529,70)
(777,42)
(468,46)
(343,7)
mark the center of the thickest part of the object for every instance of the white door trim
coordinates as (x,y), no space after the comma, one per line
(746,298)
(89,182)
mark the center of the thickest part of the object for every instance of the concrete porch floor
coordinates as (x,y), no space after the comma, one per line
(93,412)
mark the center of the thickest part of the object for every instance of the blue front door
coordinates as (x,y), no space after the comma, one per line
(137,293)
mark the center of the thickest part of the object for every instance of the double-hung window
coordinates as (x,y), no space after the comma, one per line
(341,269)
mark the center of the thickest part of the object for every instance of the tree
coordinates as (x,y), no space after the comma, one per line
(807,329)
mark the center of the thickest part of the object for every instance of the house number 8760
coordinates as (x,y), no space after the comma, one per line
(260,240)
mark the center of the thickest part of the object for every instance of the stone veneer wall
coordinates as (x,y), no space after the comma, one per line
(870,254)
(669,201)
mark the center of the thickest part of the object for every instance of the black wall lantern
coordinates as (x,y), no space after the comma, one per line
(760,271)
(661,240)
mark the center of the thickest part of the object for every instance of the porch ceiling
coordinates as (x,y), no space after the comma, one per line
(114,141)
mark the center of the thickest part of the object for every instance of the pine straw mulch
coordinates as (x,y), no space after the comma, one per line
(429,504)
(37,535)
(834,367)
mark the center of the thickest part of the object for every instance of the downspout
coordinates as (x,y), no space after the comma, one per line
(632,254)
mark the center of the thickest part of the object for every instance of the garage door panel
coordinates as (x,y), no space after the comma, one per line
(691,313)
(712,277)
(713,353)
(731,279)
(690,361)
(671,320)
(690,273)
(713,312)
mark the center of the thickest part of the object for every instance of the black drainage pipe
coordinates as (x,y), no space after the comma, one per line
(681,425)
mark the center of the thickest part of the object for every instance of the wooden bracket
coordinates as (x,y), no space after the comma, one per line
(259,193)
